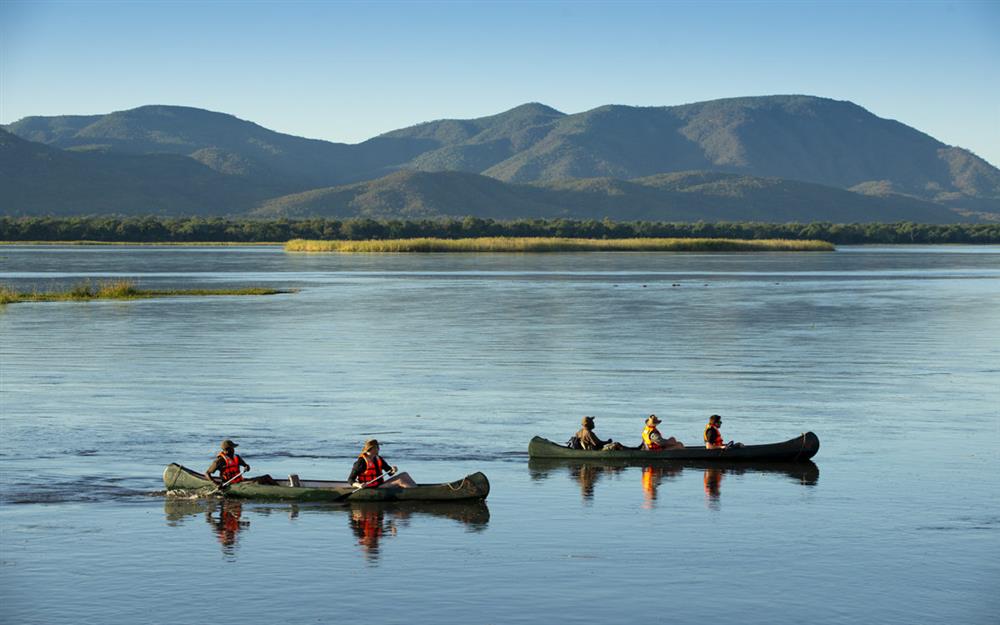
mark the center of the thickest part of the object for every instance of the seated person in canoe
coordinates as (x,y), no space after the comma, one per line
(713,435)
(231,467)
(586,439)
(370,469)
(653,440)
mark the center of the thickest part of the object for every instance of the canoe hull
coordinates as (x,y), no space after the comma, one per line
(472,487)
(798,449)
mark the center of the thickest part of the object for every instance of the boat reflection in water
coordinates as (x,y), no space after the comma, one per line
(373,521)
(224,516)
(369,521)
(588,472)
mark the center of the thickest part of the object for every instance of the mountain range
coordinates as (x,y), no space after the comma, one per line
(770,158)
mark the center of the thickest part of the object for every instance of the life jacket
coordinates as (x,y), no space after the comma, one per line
(231,469)
(647,441)
(713,437)
(373,471)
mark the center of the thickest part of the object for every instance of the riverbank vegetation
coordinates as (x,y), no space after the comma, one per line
(555,244)
(198,230)
(117,289)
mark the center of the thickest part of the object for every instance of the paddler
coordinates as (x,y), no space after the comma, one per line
(713,434)
(370,469)
(588,440)
(229,464)
(653,441)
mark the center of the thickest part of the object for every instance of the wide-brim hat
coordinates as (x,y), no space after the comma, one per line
(587,421)
(228,444)
(652,420)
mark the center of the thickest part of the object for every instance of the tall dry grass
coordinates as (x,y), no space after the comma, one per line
(120,289)
(552,244)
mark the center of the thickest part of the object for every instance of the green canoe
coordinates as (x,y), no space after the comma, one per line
(470,487)
(798,449)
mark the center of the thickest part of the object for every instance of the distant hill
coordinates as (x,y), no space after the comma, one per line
(781,155)
(39,180)
(793,137)
(222,142)
(687,196)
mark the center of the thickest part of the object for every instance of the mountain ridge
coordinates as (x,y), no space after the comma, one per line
(678,196)
(796,138)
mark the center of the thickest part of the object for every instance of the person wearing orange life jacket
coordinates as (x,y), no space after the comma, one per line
(713,436)
(653,440)
(369,469)
(228,464)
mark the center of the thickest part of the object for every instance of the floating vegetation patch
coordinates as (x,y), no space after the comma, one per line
(121,290)
(557,244)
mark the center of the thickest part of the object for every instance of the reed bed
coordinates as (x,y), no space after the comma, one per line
(120,290)
(554,244)
(88,242)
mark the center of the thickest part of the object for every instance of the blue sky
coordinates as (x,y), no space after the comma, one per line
(346,71)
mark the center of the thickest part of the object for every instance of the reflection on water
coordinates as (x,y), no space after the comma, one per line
(227,524)
(588,473)
(369,525)
(224,516)
(651,479)
(394,347)
(369,521)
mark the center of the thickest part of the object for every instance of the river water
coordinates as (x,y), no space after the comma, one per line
(890,355)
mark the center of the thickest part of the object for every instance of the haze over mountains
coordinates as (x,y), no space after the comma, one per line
(773,158)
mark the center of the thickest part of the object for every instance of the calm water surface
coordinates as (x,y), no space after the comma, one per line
(891,355)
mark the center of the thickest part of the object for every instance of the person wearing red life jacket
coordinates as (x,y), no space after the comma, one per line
(227,463)
(653,441)
(370,468)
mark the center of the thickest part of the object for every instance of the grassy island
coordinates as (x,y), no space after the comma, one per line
(557,244)
(118,289)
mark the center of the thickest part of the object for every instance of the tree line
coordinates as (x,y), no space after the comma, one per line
(220,230)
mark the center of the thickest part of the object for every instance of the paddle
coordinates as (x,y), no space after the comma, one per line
(226,483)
(357,488)
(372,481)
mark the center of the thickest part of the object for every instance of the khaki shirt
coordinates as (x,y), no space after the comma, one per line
(588,440)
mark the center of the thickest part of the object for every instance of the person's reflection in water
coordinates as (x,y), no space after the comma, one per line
(651,478)
(228,524)
(587,476)
(369,526)
(713,480)
(650,482)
